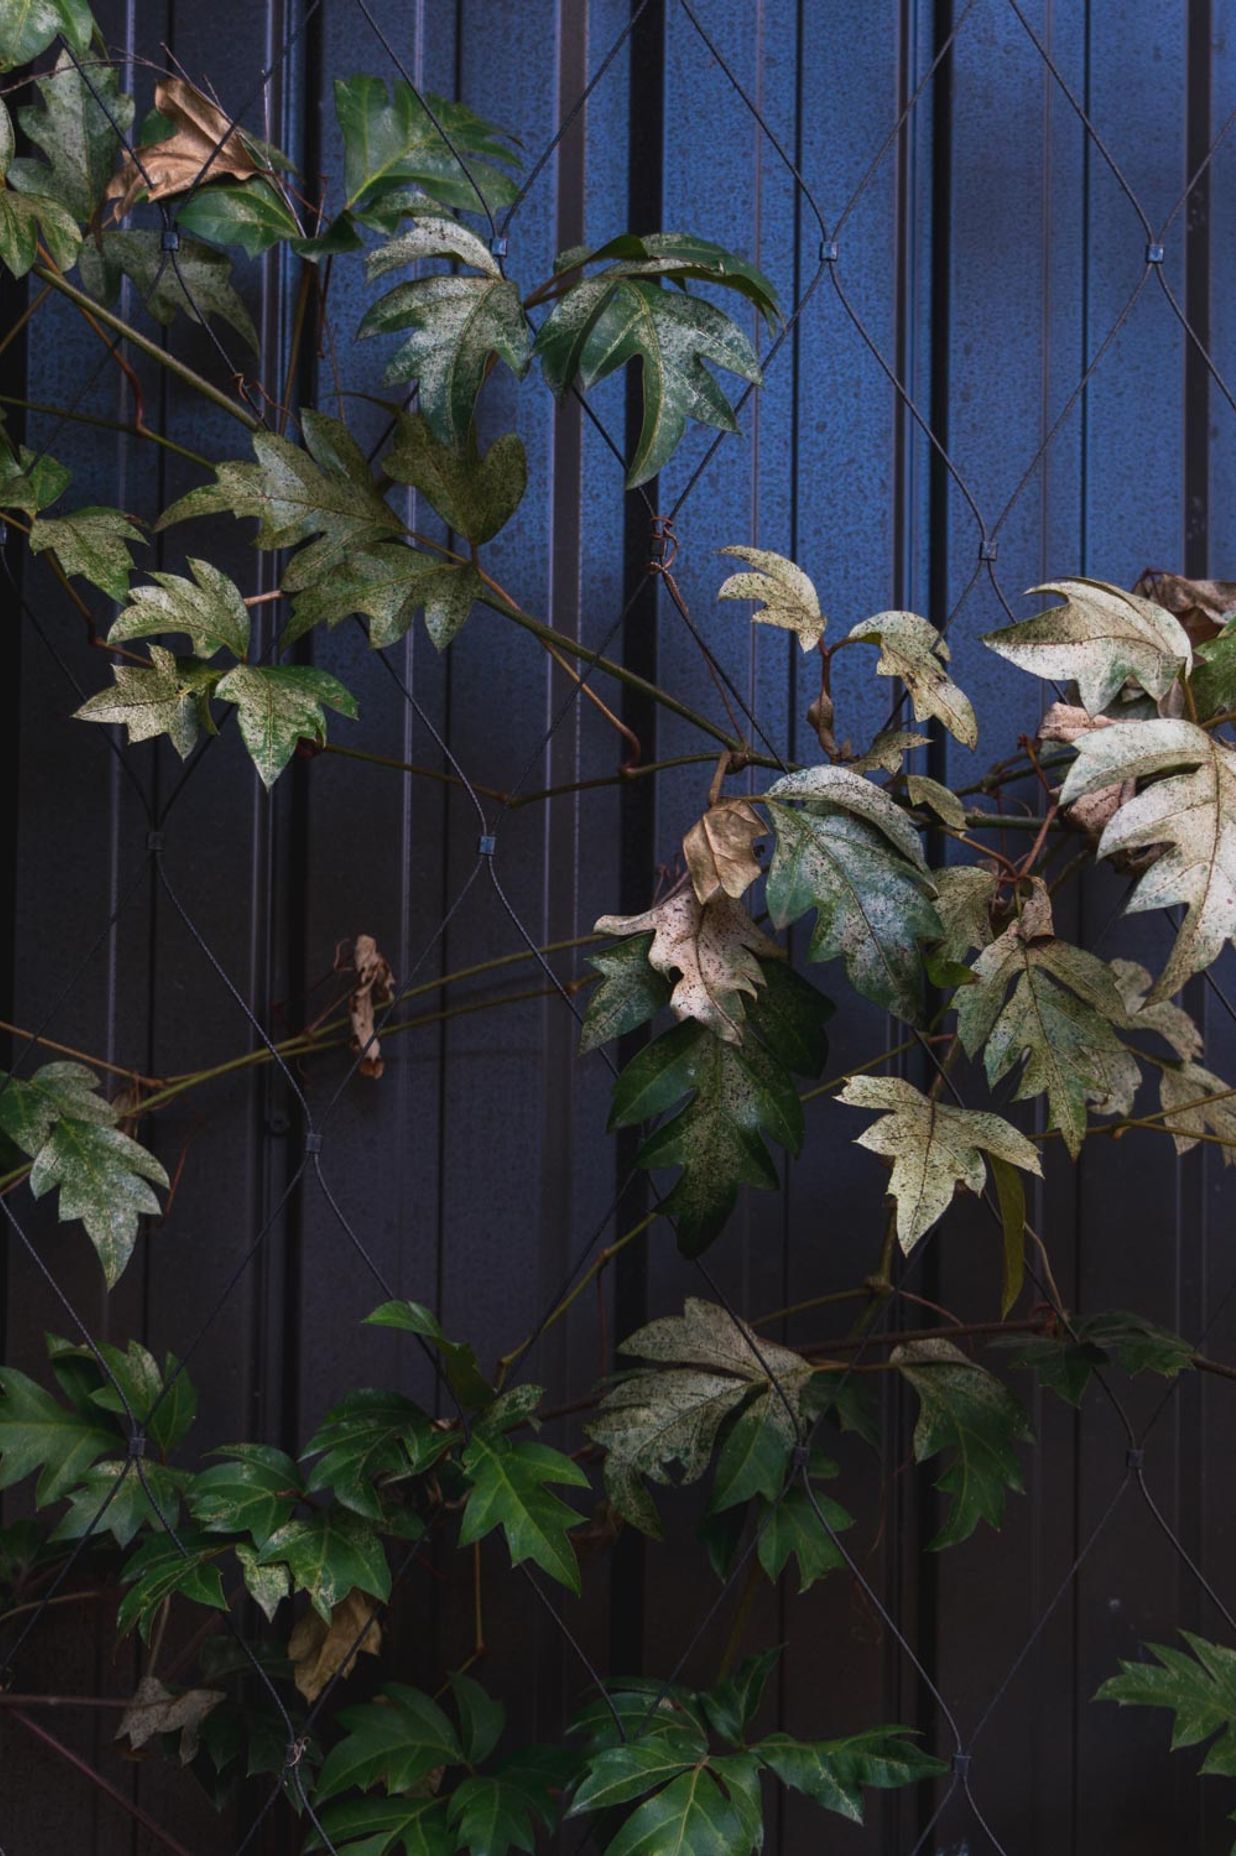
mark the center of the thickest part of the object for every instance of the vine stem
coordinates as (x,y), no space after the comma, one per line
(109,425)
(97,1779)
(606,1256)
(163,356)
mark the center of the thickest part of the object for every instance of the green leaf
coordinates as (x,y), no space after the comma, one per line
(209,610)
(1199,1689)
(631,992)
(1058,1016)
(1100,638)
(617,1774)
(510,1490)
(704,1368)
(27,27)
(251,215)
(395,144)
(493,1813)
(679,257)
(323,493)
(1191,812)
(732,1704)
(78,126)
(834,1773)
(373,1826)
(172,698)
(389,586)
(102,1178)
(481,1719)
(693,1812)
(934,1148)
(164,1401)
(853,857)
(396,1742)
(1065,1363)
(30,1106)
(92,542)
(464,1376)
(966,1410)
(476,496)
(788,597)
(159,1570)
(1011,1199)
(457,324)
(278,705)
(254,1491)
(602,323)
(38,1433)
(794,1529)
(327,1553)
(113,1498)
(27,217)
(368,1439)
(1213,682)
(194,281)
(913,650)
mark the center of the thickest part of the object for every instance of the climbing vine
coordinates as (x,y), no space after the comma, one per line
(905,891)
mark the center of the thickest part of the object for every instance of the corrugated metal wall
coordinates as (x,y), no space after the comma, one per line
(983,264)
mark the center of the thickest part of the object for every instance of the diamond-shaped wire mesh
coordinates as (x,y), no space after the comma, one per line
(853,207)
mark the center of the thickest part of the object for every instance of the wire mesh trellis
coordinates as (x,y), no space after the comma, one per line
(821,288)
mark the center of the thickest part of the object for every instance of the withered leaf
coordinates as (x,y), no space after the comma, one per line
(912,649)
(154,1709)
(1200,605)
(319,1650)
(375,986)
(718,849)
(1066,722)
(711,946)
(173,165)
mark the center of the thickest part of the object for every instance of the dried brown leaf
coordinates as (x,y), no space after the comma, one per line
(375,986)
(1200,605)
(1066,722)
(718,849)
(154,1709)
(173,165)
(711,946)
(319,1650)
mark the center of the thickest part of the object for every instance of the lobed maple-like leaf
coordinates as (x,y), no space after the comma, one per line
(327,1553)
(193,281)
(77,125)
(934,1147)
(92,542)
(702,1367)
(1100,638)
(458,324)
(965,1410)
(170,698)
(27,27)
(511,1489)
(1198,1687)
(1190,809)
(278,705)
(912,649)
(713,949)
(719,850)
(786,596)
(209,609)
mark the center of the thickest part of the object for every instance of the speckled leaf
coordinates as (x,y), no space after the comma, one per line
(253,1491)
(1192,812)
(92,542)
(711,947)
(940,799)
(323,493)
(30,1106)
(208,609)
(846,791)
(193,281)
(29,480)
(457,324)
(171,698)
(602,323)
(1169,1021)
(27,217)
(327,1553)
(432,236)
(476,496)
(913,650)
(788,597)
(1188,1092)
(1059,1016)
(279,704)
(934,1147)
(103,1178)
(964,896)
(27,27)
(631,992)
(704,1367)
(389,586)
(965,1410)
(887,751)
(134,1501)
(1101,638)
(71,126)
(159,1568)
(872,904)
